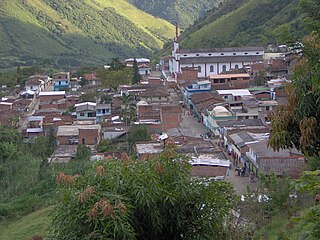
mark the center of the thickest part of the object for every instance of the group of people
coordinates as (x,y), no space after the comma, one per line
(242,172)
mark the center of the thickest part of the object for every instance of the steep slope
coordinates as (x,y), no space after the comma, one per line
(183,11)
(74,32)
(244,23)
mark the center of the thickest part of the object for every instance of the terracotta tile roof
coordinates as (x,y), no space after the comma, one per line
(205,96)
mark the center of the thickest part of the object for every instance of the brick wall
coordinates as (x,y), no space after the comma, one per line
(89,136)
(170,116)
(188,74)
(50,98)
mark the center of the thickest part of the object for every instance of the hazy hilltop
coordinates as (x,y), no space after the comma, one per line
(245,23)
(77,32)
(183,11)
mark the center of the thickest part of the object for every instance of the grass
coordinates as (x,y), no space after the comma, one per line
(77,32)
(283,227)
(34,224)
(254,22)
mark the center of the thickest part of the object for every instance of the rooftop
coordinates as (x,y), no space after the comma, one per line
(208,50)
(238,75)
(235,92)
(151,148)
(52,93)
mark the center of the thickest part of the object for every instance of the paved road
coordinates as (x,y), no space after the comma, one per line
(191,124)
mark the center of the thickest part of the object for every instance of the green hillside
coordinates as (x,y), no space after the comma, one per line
(76,32)
(183,11)
(35,224)
(246,22)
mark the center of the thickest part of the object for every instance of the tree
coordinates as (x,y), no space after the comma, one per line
(136,75)
(310,182)
(116,65)
(138,133)
(260,79)
(83,82)
(116,77)
(128,108)
(152,199)
(297,123)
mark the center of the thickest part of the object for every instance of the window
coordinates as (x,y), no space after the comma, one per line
(185,55)
(234,54)
(255,117)
(59,82)
(199,68)
(267,108)
(197,55)
(257,52)
(222,54)
(82,114)
(236,66)
(225,97)
(211,68)
(224,68)
(210,54)
(245,53)
(91,114)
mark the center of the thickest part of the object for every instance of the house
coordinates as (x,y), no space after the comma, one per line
(188,74)
(51,96)
(34,128)
(217,114)
(143,65)
(74,84)
(102,109)
(61,81)
(209,166)
(28,94)
(86,111)
(5,106)
(34,84)
(238,146)
(235,80)
(45,78)
(207,160)
(155,95)
(92,79)
(250,108)
(228,127)
(212,61)
(285,162)
(197,87)
(201,102)
(170,116)
(233,95)
(78,134)
(51,123)
(63,154)
(145,150)
(90,111)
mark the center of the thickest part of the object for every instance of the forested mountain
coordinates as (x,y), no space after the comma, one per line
(72,32)
(183,11)
(246,22)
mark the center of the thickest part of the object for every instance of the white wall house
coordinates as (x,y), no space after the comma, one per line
(213,61)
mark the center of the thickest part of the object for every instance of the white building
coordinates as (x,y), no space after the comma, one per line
(214,60)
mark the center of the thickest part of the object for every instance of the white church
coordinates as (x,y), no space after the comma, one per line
(212,61)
